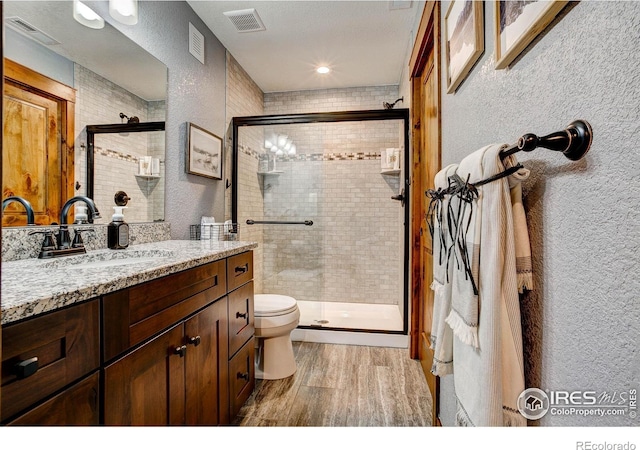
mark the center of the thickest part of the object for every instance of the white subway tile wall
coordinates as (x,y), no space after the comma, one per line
(99,101)
(244,98)
(351,253)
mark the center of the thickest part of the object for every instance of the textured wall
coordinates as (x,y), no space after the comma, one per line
(196,93)
(582,323)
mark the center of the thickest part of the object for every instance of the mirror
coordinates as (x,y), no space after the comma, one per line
(115,80)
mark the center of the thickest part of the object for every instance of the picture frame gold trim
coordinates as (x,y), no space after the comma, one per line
(535,25)
(467,61)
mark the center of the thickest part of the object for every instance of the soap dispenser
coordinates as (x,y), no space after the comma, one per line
(118,230)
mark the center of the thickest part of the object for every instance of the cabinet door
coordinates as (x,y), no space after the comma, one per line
(77,405)
(65,347)
(146,386)
(206,335)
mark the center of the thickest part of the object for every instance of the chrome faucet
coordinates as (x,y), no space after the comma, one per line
(63,237)
(25,203)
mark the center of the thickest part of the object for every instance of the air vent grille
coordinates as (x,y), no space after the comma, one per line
(245,20)
(196,43)
(22,26)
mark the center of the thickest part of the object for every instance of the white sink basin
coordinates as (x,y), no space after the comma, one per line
(107,259)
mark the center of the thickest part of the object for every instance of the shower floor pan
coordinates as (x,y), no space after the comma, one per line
(326,322)
(356,316)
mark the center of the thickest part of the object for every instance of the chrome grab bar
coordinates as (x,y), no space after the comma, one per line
(279,222)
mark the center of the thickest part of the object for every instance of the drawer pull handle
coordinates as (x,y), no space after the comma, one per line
(242,269)
(243,376)
(243,315)
(194,340)
(181,350)
(26,368)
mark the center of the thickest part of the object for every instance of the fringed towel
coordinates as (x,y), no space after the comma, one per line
(486,238)
(441,334)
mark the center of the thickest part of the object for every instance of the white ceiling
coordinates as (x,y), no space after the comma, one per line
(364,42)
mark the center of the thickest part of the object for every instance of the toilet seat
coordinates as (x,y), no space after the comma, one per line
(271,305)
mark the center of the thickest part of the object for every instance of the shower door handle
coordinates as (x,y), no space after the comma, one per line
(399,197)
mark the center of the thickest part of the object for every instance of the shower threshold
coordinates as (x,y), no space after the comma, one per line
(350,316)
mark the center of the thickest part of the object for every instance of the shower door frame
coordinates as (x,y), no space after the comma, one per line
(339,116)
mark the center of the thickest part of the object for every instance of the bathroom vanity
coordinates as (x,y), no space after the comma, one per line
(157,334)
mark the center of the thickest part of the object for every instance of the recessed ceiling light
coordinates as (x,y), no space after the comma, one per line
(323,69)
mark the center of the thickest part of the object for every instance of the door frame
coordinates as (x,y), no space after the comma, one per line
(427,41)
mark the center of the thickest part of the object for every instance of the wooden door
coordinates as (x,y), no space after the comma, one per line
(38,156)
(146,387)
(206,335)
(426,163)
(31,156)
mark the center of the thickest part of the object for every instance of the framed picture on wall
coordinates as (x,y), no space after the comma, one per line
(518,23)
(464,32)
(204,153)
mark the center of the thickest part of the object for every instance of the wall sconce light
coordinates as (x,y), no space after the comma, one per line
(87,16)
(124,11)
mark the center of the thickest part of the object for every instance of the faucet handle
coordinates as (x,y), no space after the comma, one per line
(77,237)
(49,242)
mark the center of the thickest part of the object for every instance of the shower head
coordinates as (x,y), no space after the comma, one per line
(391,105)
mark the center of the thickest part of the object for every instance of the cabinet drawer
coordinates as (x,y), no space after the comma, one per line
(132,315)
(241,376)
(77,405)
(66,346)
(239,269)
(241,325)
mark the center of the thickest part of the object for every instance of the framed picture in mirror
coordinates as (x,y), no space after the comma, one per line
(204,152)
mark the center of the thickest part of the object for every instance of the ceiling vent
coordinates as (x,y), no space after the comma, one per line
(25,28)
(245,20)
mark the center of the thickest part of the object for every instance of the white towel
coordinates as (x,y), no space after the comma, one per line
(489,378)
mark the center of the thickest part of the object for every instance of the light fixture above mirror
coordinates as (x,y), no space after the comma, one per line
(87,16)
(124,11)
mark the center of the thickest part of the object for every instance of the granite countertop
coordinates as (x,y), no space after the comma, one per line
(34,286)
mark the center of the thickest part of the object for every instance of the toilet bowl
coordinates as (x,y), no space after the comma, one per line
(276,316)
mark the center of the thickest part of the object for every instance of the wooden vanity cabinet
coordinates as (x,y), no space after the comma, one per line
(175,350)
(172,341)
(43,360)
(241,330)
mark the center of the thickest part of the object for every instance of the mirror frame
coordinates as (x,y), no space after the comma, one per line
(92,130)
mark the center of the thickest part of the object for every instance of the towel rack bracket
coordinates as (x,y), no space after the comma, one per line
(574,141)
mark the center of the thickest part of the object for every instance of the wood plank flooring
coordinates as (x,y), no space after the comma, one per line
(343,385)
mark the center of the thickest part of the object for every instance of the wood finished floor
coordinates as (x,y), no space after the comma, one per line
(343,385)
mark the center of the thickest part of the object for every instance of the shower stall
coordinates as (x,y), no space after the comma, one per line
(323,195)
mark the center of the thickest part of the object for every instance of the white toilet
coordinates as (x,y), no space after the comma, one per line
(276,316)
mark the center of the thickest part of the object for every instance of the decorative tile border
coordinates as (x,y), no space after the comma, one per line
(118,155)
(346,156)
